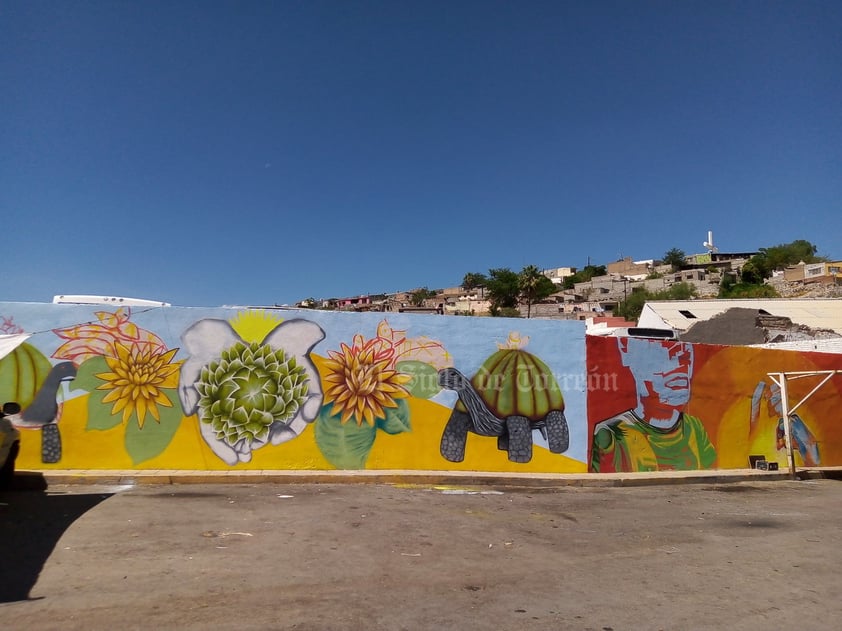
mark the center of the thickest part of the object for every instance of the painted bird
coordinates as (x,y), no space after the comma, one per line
(43,411)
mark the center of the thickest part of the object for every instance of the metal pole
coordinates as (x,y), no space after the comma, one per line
(790,458)
(828,374)
(780,378)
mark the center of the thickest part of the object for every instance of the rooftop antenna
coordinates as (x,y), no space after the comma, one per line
(709,243)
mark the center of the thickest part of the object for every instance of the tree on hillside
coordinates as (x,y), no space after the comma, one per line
(768,260)
(502,289)
(418,296)
(675,258)
(632,306)
(729,288)
(584,275)
(473,280)
(533,287)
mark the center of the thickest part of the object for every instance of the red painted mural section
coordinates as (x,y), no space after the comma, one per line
(732,397)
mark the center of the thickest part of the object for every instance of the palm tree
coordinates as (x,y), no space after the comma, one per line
(533,287)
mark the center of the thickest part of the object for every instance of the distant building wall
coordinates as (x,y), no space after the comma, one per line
(794,273)
(353,302)
(628,268)
(825,272)
(466,306)
(558,274)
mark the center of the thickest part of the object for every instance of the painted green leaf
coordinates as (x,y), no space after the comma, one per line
(146,443)
(99,413)
(85,376)
(425,378)
(345,446)
(397,419)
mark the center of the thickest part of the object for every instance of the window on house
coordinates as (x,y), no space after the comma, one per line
(687,314)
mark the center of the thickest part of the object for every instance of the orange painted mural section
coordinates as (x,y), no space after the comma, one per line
(724,383)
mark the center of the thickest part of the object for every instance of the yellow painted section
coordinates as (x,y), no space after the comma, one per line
(255,325)
(415,450)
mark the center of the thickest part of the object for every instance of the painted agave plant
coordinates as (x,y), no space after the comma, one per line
(250,394)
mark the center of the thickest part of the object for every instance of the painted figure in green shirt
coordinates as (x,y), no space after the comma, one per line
(656,435)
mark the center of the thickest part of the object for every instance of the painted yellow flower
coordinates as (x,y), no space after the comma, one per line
(138,375)
(360,381)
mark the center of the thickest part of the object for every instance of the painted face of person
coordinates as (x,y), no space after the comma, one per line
(662,371)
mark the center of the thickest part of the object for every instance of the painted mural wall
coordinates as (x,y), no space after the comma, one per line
(218,388)
(667,405)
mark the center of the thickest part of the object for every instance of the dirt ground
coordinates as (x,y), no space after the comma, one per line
(737,556)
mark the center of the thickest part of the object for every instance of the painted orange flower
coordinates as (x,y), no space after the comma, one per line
(361,380)
(138,376)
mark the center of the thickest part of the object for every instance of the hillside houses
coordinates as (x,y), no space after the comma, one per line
(601,294)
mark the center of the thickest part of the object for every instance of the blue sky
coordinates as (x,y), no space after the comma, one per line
(210,153)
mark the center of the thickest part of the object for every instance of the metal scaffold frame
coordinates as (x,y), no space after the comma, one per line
(781,379)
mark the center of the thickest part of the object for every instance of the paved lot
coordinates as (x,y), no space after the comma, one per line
(749,555)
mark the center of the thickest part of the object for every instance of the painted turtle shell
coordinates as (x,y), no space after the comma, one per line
(514,382)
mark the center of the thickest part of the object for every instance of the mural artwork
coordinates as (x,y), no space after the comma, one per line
(216,389)
(656,433)
(679,406)
(805,440)
(189,388)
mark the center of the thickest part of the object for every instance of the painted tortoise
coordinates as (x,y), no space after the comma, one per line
(511,395)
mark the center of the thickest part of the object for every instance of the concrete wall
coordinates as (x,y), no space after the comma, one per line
(196,388)
(216,389)
(627,267)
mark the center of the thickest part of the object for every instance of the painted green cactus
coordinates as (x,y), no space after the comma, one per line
(247,389)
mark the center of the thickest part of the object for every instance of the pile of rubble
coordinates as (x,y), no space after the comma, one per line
(742,327)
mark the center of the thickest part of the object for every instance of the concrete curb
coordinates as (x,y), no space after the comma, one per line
(53,477)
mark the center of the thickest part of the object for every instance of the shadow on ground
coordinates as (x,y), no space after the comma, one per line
(31,523)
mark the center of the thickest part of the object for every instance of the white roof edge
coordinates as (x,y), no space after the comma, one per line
(82,299)
(826,345)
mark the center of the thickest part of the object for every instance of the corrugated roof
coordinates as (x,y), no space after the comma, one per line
(821,313)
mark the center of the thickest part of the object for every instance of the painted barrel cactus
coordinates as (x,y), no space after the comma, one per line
(21,374)
(247,389)
(248,394)
(516,382)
